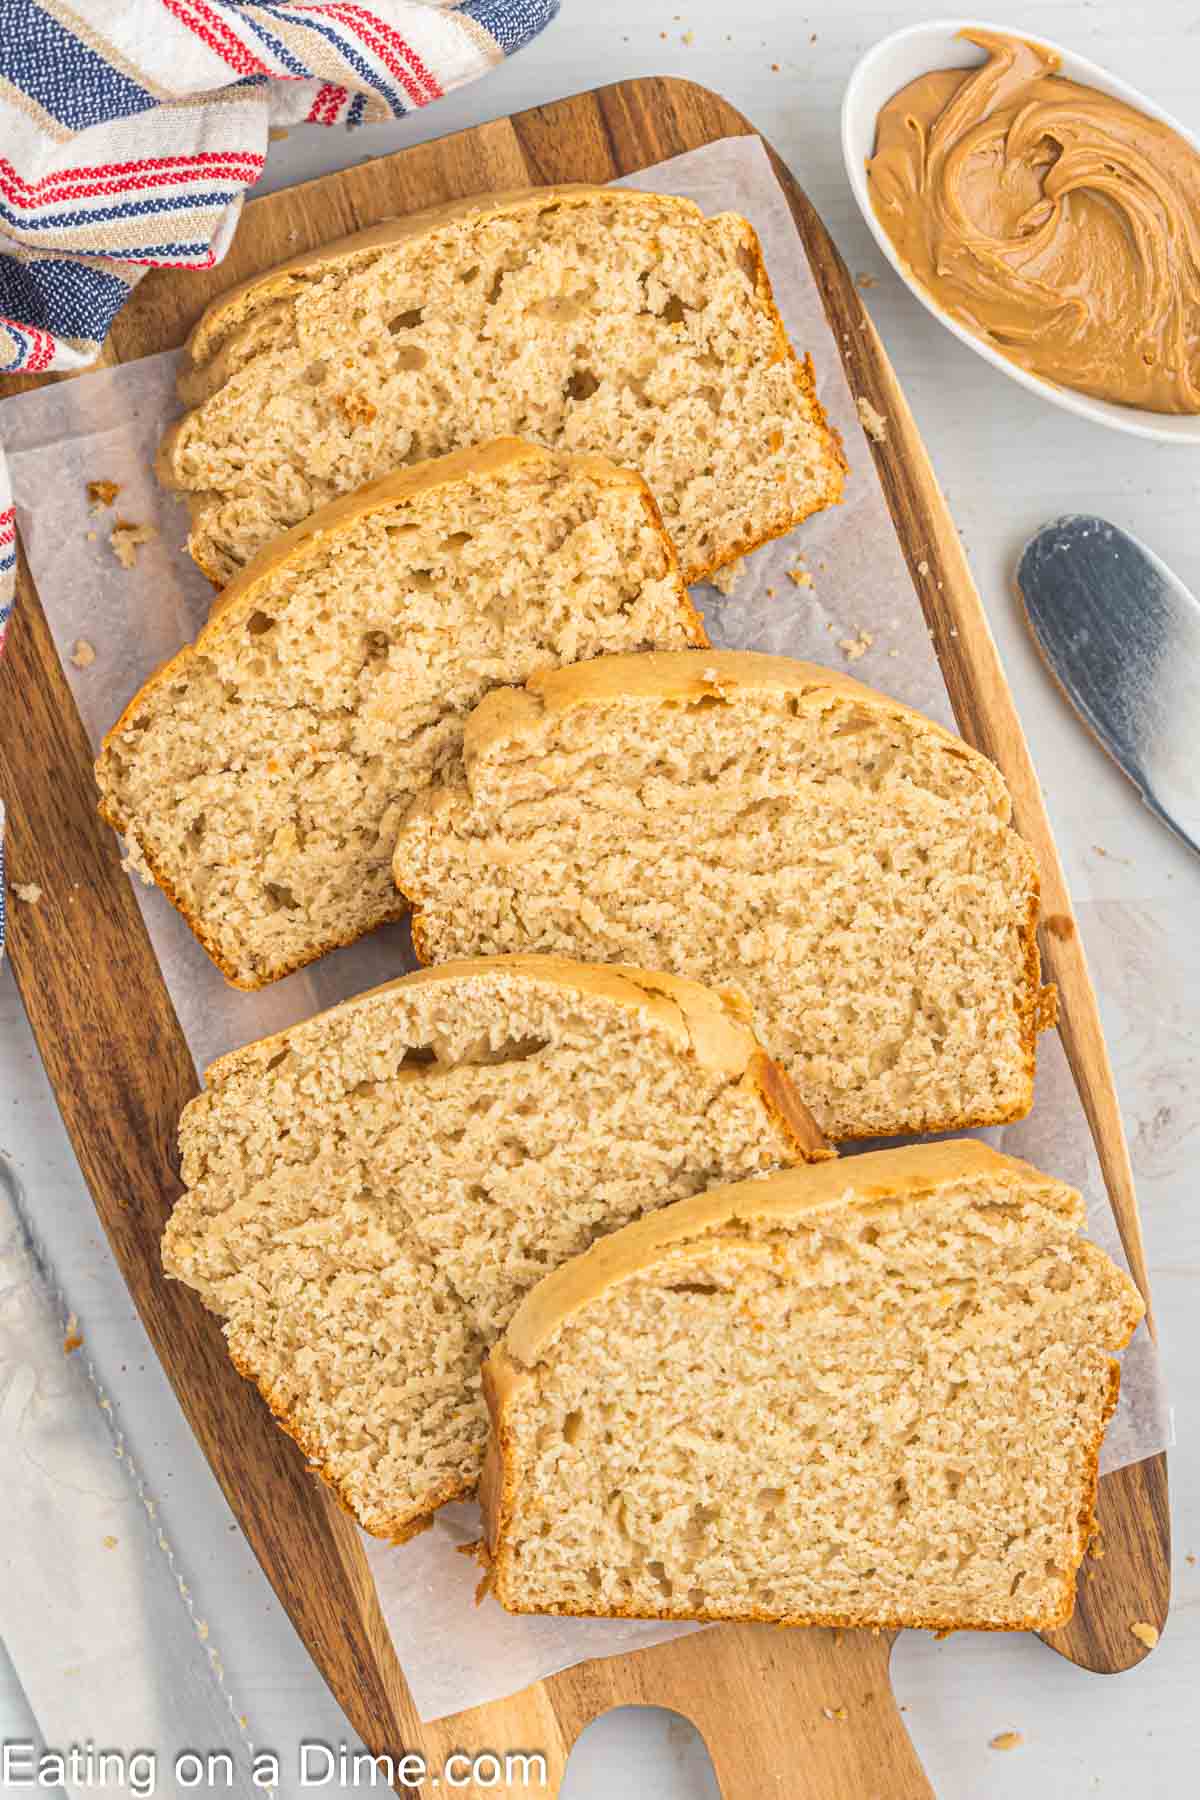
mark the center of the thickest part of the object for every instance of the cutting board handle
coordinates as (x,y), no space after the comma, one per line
(782,1713)
(785,1715)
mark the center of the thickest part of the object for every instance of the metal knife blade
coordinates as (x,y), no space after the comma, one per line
(1121,635)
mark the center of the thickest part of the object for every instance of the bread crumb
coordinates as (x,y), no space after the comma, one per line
(1190,1560)
(1005,1740)
(101,494)
(866,281)
(84,654)
(126,537)
(355,409)
(774,68)
(855,647)
(801,577)
(93,537)
(28,891)
(770,593)
(689,37)
(71,1342)
(134,863)
(726,578)
(109,1542)
(873,421)
(1144,1633)
(276,134)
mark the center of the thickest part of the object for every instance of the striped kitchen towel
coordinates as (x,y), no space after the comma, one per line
(130,130)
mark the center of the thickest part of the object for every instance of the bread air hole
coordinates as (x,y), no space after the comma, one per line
(572,1425)
(259,623)
(658,1571)
(581,385)
(560,309)
(456,540)
(410,356)
(406,321)
(282,898)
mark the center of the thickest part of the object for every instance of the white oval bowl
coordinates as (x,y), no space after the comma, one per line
(891,65)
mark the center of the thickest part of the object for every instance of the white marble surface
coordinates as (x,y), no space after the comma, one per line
(1008,463)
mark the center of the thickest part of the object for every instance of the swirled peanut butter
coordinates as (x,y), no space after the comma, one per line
(1058,224)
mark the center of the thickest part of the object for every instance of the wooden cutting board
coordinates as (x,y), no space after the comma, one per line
(781,1711)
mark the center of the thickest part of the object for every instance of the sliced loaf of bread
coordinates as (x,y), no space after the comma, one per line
(751,819)
(260,776)
(867,1394)
(370,1193)
(585,318)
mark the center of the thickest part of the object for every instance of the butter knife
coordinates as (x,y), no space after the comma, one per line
(1120,633)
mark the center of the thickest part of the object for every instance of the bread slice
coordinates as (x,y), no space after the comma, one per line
(751,819)
(261,775)
(370,1193)
(587,318)
(867,1394)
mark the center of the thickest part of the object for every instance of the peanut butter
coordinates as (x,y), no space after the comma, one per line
(1059,225)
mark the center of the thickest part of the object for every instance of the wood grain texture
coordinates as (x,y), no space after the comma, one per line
(117,1059)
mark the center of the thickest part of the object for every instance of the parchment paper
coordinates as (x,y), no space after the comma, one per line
(106,427)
